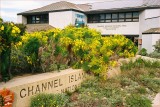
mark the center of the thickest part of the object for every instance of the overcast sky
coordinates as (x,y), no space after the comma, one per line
(10,8)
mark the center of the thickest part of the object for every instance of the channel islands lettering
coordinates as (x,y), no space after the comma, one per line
(51,85)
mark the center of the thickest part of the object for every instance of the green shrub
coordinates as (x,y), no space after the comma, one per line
(136,100)
(49,100)
(143,52)
(22,28)
(157,46)
(74,47)
(154,54)
(9,35)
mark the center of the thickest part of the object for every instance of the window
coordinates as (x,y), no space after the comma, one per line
(108,18)
(114,17)
(128,17)
(93,18)
(102,18)
(135,16)
(35,19)
(121,17)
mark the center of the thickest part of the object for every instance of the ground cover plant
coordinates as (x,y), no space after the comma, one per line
(49,100)
(135,87)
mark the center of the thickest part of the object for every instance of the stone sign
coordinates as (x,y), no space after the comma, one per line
(26,87)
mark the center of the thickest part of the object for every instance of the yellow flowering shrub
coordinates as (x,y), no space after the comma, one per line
(92,51)
(9,35)
(76,47)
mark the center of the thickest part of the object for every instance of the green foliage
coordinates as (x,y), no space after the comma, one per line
(135,87)
(9,35)
(49,100)
(140,63)
(143,52)
(22,28)
(154,54)
(136,100)
(75,47)
(157,46)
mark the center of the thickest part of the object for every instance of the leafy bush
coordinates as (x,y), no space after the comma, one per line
(49,100)
(136,100)
(143,52)
(75,47)
(154,54)
(157,46)
(9,35)
(22,28)
(87,46)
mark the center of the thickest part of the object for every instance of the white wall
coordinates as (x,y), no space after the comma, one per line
(21,19)
(149,18)
(148,40)
(125,28)
(60,19)
(64,18)
(150,13)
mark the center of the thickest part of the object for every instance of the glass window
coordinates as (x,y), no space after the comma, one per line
(108,16)
(33,21)
(102,16)
(121,20)
(95,17)
(102,21)
(128,20)
(33,17)
(135,20)
(121,15)
(128,15)
(135,14)
(108,21)
(114,16)
(37,19)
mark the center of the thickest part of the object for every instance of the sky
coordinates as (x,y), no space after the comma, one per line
(10,8)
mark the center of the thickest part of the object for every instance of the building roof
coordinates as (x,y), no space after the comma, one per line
(62,5)
(152,31)
(121,5)
(111,5)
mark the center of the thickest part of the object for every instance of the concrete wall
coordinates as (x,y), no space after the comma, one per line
(148,40)
(125,28)
(64,18)
(60,19)
(26,87)
(150,13)
(21,19)
(149,18)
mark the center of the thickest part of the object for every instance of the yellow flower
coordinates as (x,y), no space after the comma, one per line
(13,31)
(2,27)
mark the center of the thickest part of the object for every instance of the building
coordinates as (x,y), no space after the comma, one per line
(138,20)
